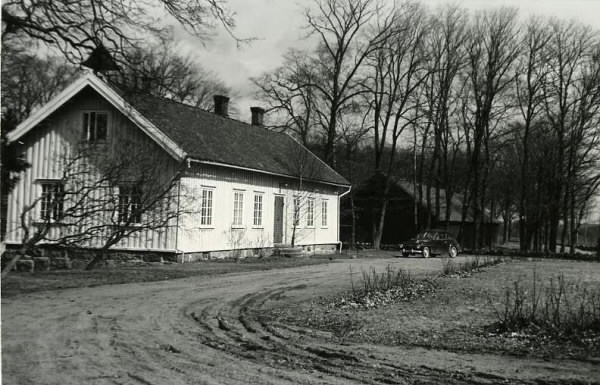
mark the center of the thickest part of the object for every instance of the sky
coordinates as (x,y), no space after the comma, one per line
(277,25)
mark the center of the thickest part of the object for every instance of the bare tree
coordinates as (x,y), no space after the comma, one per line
(529,80)
(348,31)
(162,72)
(398,69)
(25,87)
(304,169)
(583,174)
(76,28)
(446,47)
(569,50)
(101,199)
(492,49)
(293,102)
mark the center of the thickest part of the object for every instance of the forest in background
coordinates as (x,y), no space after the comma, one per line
(497,110)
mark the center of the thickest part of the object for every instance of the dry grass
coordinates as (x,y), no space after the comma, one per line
(559,307)
(18,283)
(456,316)
(469,266)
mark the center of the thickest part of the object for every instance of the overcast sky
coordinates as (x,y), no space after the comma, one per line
(277,24)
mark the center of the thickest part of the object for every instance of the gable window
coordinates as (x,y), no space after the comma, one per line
(258,208)
(95,125)
(238,208)
(323,213)
(52,201)
(206,207)
(310,213)
(130,205)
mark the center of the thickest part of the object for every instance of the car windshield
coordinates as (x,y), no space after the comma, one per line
(425,235)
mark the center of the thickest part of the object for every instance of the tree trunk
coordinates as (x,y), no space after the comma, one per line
(99,256)
(353,210)
(505,228)
(523,236)
(565,227)
(380,227)
(13,262)
(572,225)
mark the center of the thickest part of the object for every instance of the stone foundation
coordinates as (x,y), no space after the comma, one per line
(56,258)
(46,258)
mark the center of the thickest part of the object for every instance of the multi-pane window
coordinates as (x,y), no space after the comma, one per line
(310,213)
(95,125)
(130,205)
(52,201)
(238,208)
(258,208)
(206,203)
(296,211)
(324,213)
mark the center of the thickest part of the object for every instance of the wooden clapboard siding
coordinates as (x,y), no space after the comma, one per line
(193,237)
(56,137)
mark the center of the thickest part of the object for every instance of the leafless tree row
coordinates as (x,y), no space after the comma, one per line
(501,111)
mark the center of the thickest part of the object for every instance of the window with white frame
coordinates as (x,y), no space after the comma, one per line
(296,211)
(258,209)
(238,208)
(95,125)
(206,207)
(323,213)
(52,208)
(310,213)
(130,205)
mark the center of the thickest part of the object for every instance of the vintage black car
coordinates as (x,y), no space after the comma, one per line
(431,242)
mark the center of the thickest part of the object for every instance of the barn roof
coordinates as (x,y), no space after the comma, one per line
(403,191)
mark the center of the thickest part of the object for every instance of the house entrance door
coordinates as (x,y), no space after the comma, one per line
(278,221)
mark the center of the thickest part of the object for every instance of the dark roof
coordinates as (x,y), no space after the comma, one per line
(206,136)
(401,189)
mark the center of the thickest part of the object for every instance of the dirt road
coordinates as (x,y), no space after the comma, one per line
(204,331)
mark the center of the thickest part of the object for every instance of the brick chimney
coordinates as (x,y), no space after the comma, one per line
(257,115)
(221,105)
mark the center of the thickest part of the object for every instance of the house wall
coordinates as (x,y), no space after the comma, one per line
(221,235)
(47,145)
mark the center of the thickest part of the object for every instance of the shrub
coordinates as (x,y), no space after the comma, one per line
(469,266)
(389,279)
(388,286)
(560,308)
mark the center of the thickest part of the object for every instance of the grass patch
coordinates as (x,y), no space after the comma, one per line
(450,268)
(560,308)
(19,283)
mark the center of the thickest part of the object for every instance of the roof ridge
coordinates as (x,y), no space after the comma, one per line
(162,98)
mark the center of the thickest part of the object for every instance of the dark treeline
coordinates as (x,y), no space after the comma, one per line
(498,110)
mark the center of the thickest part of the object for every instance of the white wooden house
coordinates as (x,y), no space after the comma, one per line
(241,180)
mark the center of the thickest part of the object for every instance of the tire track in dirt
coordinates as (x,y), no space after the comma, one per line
(208,331)
(235,330)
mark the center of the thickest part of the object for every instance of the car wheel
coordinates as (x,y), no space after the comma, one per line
(405,255)
(426,252)
(453,252)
